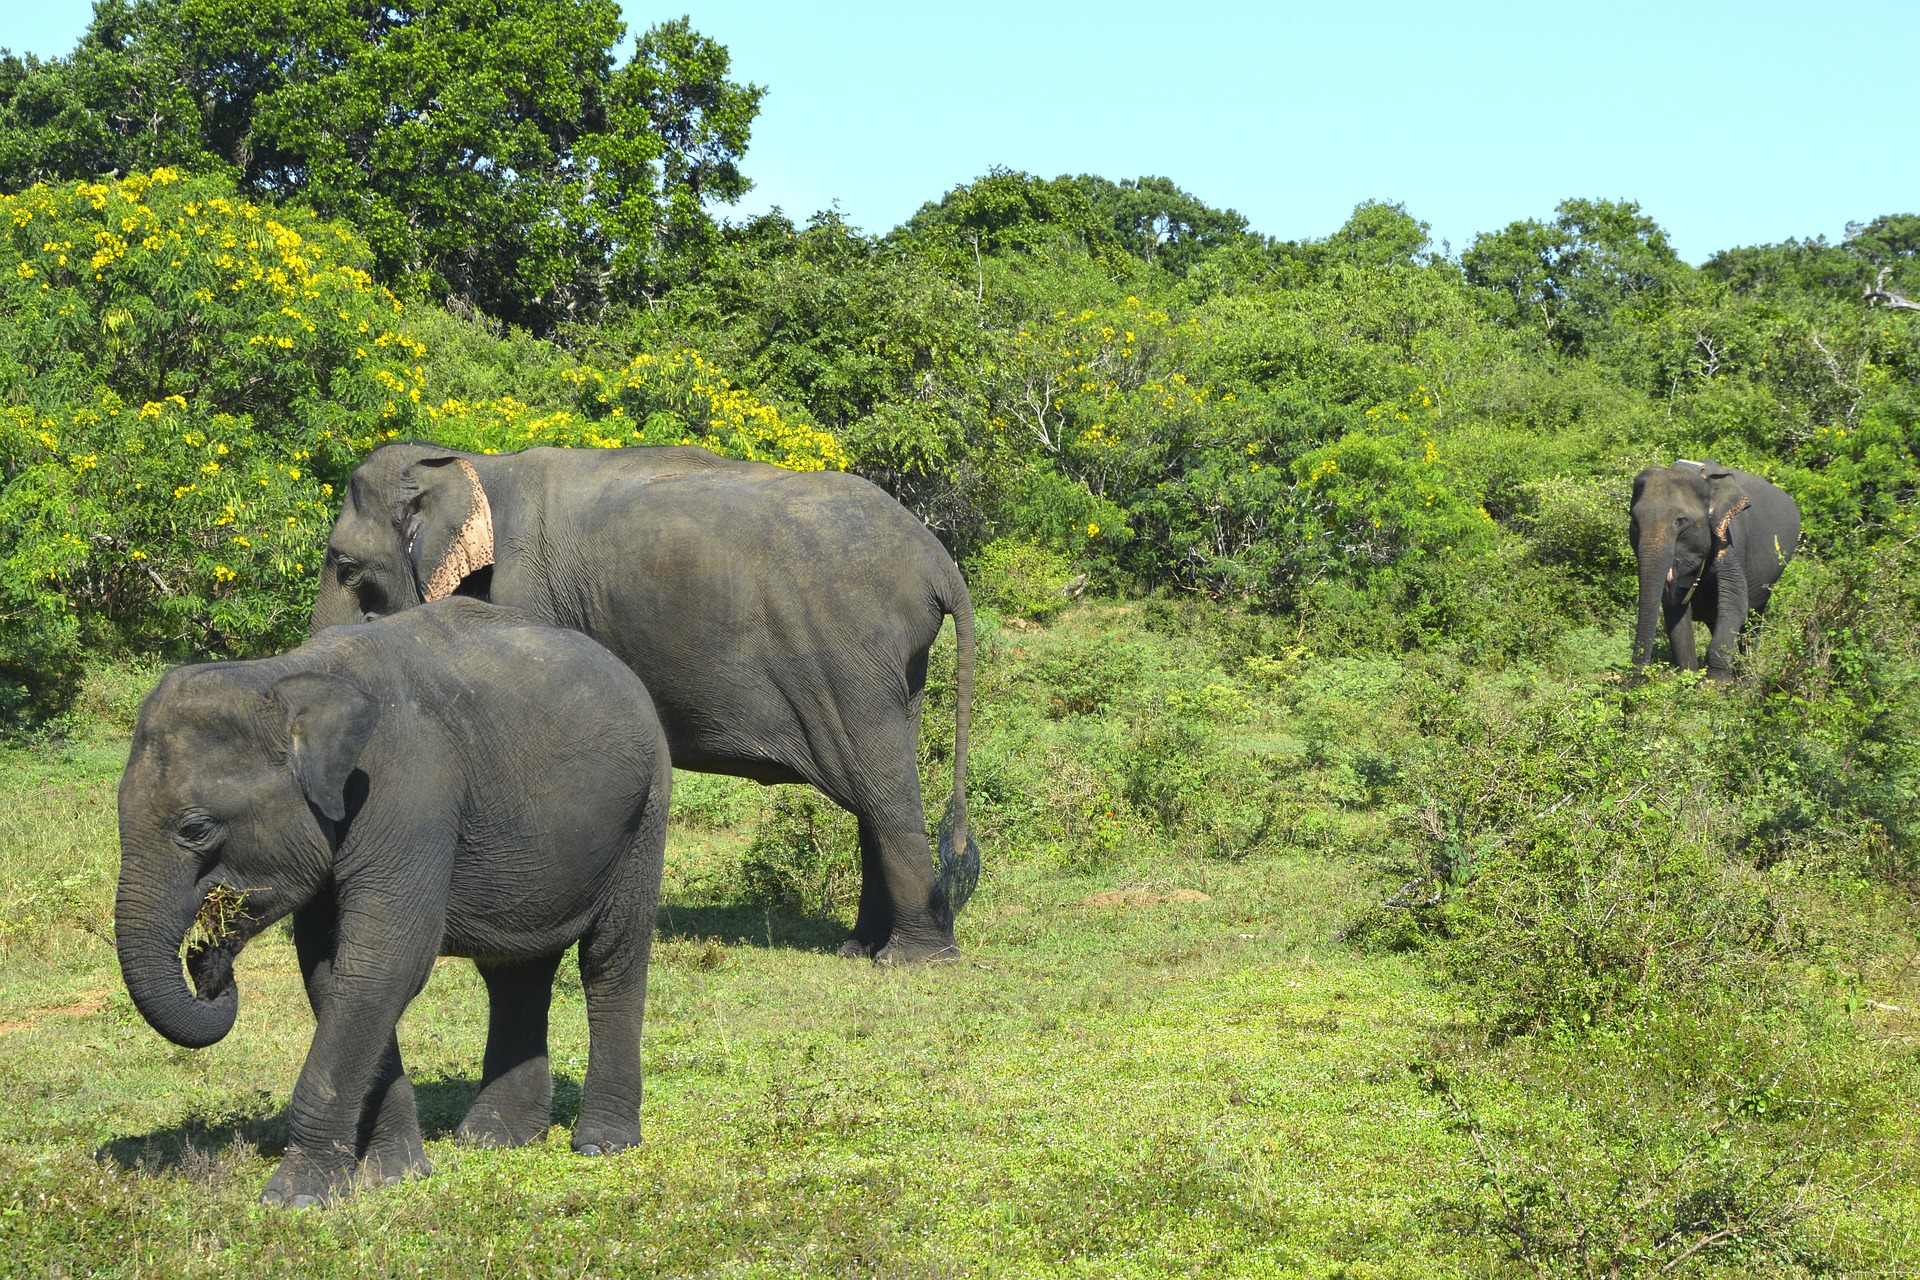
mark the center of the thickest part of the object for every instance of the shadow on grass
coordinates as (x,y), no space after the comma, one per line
(196,1144)
(744,924)
(206,1141)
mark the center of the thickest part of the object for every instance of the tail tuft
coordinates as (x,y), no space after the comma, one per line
(959,868)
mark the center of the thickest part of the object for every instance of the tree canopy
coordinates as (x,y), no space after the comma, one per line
(490,151)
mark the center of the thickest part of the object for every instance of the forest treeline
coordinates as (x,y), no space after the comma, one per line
(247,242)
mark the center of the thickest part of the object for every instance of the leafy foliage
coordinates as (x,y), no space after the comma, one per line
(487,152)
(187,379)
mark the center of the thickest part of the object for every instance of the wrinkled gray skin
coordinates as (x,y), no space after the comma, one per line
(781,621)
(1711,543)
(460,780)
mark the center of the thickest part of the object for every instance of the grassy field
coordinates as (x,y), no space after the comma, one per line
(1173,1047)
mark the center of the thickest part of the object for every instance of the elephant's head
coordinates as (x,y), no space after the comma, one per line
(1680,519)
(414,524)
(235,782)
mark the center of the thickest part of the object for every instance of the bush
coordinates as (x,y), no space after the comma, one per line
(186,380)
(805,858)
(1377,501)
(182,374)
(1021,578)
(1580,526)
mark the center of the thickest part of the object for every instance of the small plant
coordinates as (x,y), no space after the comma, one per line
(703,955)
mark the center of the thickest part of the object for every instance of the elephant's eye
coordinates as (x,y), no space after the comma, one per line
(349,571)
(197,830)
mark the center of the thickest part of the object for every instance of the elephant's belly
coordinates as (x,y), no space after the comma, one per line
(493,914)
(765,772)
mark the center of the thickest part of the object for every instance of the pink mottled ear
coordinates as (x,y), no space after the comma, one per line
(448,524)
(1728,500)
(328,724)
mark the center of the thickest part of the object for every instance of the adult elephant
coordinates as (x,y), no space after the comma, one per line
(1711,542)
(780,619)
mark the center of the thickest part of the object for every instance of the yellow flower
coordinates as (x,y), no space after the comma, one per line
(1093,531)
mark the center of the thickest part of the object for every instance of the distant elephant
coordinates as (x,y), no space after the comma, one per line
(1711,543)
(460,780)
(780,619)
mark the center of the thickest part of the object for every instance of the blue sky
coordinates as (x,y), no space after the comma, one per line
(1730,123)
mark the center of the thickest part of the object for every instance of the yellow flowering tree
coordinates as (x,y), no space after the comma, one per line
(188,379)
(182,372)
(673,398)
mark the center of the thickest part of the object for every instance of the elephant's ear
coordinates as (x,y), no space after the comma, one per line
(328,722)
(1727,499)
(447,524)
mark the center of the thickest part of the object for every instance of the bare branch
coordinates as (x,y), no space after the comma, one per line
(1879,295)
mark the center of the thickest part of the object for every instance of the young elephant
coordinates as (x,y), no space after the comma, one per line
(1711,542)
(455,780)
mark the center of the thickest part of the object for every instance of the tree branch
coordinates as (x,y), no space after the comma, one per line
(1879,295)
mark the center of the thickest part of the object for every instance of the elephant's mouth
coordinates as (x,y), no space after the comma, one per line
(210,965)
(227,918)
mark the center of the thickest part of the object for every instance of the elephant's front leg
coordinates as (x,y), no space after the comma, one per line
(389,1143)
(515,1105)
(1679,619)
(1732,617)
(352,1081)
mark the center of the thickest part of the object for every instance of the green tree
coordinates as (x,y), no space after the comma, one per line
(1882,255)
(1158,222)
(1568,277)
(1010,211)
(1379,233)
(490,150)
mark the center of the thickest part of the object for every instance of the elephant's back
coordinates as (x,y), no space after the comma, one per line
(508,676)
(824,524)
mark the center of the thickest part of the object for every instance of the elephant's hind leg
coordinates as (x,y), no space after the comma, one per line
(880,785)
(515,1105)
(897,870)
(613,969)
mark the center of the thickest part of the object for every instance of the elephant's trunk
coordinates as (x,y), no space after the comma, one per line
(333,606)
(151,920)
(1656,566)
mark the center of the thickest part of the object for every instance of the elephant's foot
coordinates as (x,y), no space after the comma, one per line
(393,1158)
(304,1180)
(856,949)
(394,1150)
(595,1136)
(902,949)
(383,1167)
(512,1110)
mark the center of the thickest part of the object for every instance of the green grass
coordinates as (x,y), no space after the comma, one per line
(1234,1085)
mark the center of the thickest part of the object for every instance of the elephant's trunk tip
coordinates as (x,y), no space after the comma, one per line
(148,943)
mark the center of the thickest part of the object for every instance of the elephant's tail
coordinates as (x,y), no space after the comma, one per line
(959,855)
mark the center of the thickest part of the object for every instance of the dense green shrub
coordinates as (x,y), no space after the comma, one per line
(183,376)
(1020,578)
(805,858)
